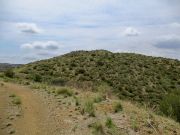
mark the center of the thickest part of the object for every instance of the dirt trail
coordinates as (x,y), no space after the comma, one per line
(33,119)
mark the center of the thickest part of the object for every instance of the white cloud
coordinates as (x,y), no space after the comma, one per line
(175,25)
(41,45)
(130,31)
(28,28)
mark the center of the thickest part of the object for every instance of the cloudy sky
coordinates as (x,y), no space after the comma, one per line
(37,29)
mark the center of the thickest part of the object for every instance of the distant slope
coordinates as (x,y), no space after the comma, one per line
(5,66)
(131,76)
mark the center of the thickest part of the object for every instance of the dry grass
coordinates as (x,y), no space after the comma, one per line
(132,119)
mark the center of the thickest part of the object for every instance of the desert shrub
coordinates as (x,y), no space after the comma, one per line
(118,107)
(16,101)
(98,98)
(100,63)
(80,71)
(97,128)
(109,123)
(59,81)
(9,73)
(170,106)
(89,108)
(77,102)
(64,91)
(121,71)
(73,64)
(12,95)
(103,88)
(1,84)
(37,78)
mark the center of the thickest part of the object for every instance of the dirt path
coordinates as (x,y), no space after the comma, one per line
(39,113)
(31,118)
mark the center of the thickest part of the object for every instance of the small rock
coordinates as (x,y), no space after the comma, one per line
(59,100)
(8,124)
(12,131)
(17,114)
(3,127)
(175,132)
(10,118)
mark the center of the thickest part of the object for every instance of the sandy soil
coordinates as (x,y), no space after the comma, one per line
(39,113)
(29,118)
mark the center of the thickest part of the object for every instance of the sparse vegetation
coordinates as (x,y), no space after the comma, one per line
(15,99)
(12,95)
(109,123)
(1,84)
(77,102)
(97,128)
(64,91)
(118,107)
(134,124)
(89,107)
(98,98)
(170,105)
(37,78)
(9,73)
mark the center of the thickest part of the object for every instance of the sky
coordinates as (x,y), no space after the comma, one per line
(32,30)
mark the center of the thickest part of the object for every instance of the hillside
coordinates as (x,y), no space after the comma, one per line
(131,76)
(92,92)
(43,112)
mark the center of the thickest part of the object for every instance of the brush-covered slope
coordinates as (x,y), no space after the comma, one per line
(131,76)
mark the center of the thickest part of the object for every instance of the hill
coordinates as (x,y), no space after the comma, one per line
(5,66)
(136,77)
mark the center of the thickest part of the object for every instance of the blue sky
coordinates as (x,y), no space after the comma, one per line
(31,30)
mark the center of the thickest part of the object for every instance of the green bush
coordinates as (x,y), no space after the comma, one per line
(16,101)
(37,78)
(64,91)
(59,81)
(109,123)
(170,106)
(89,108)
(98,98)
(118,107)
(9,73)
(97,128)
(12,95)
